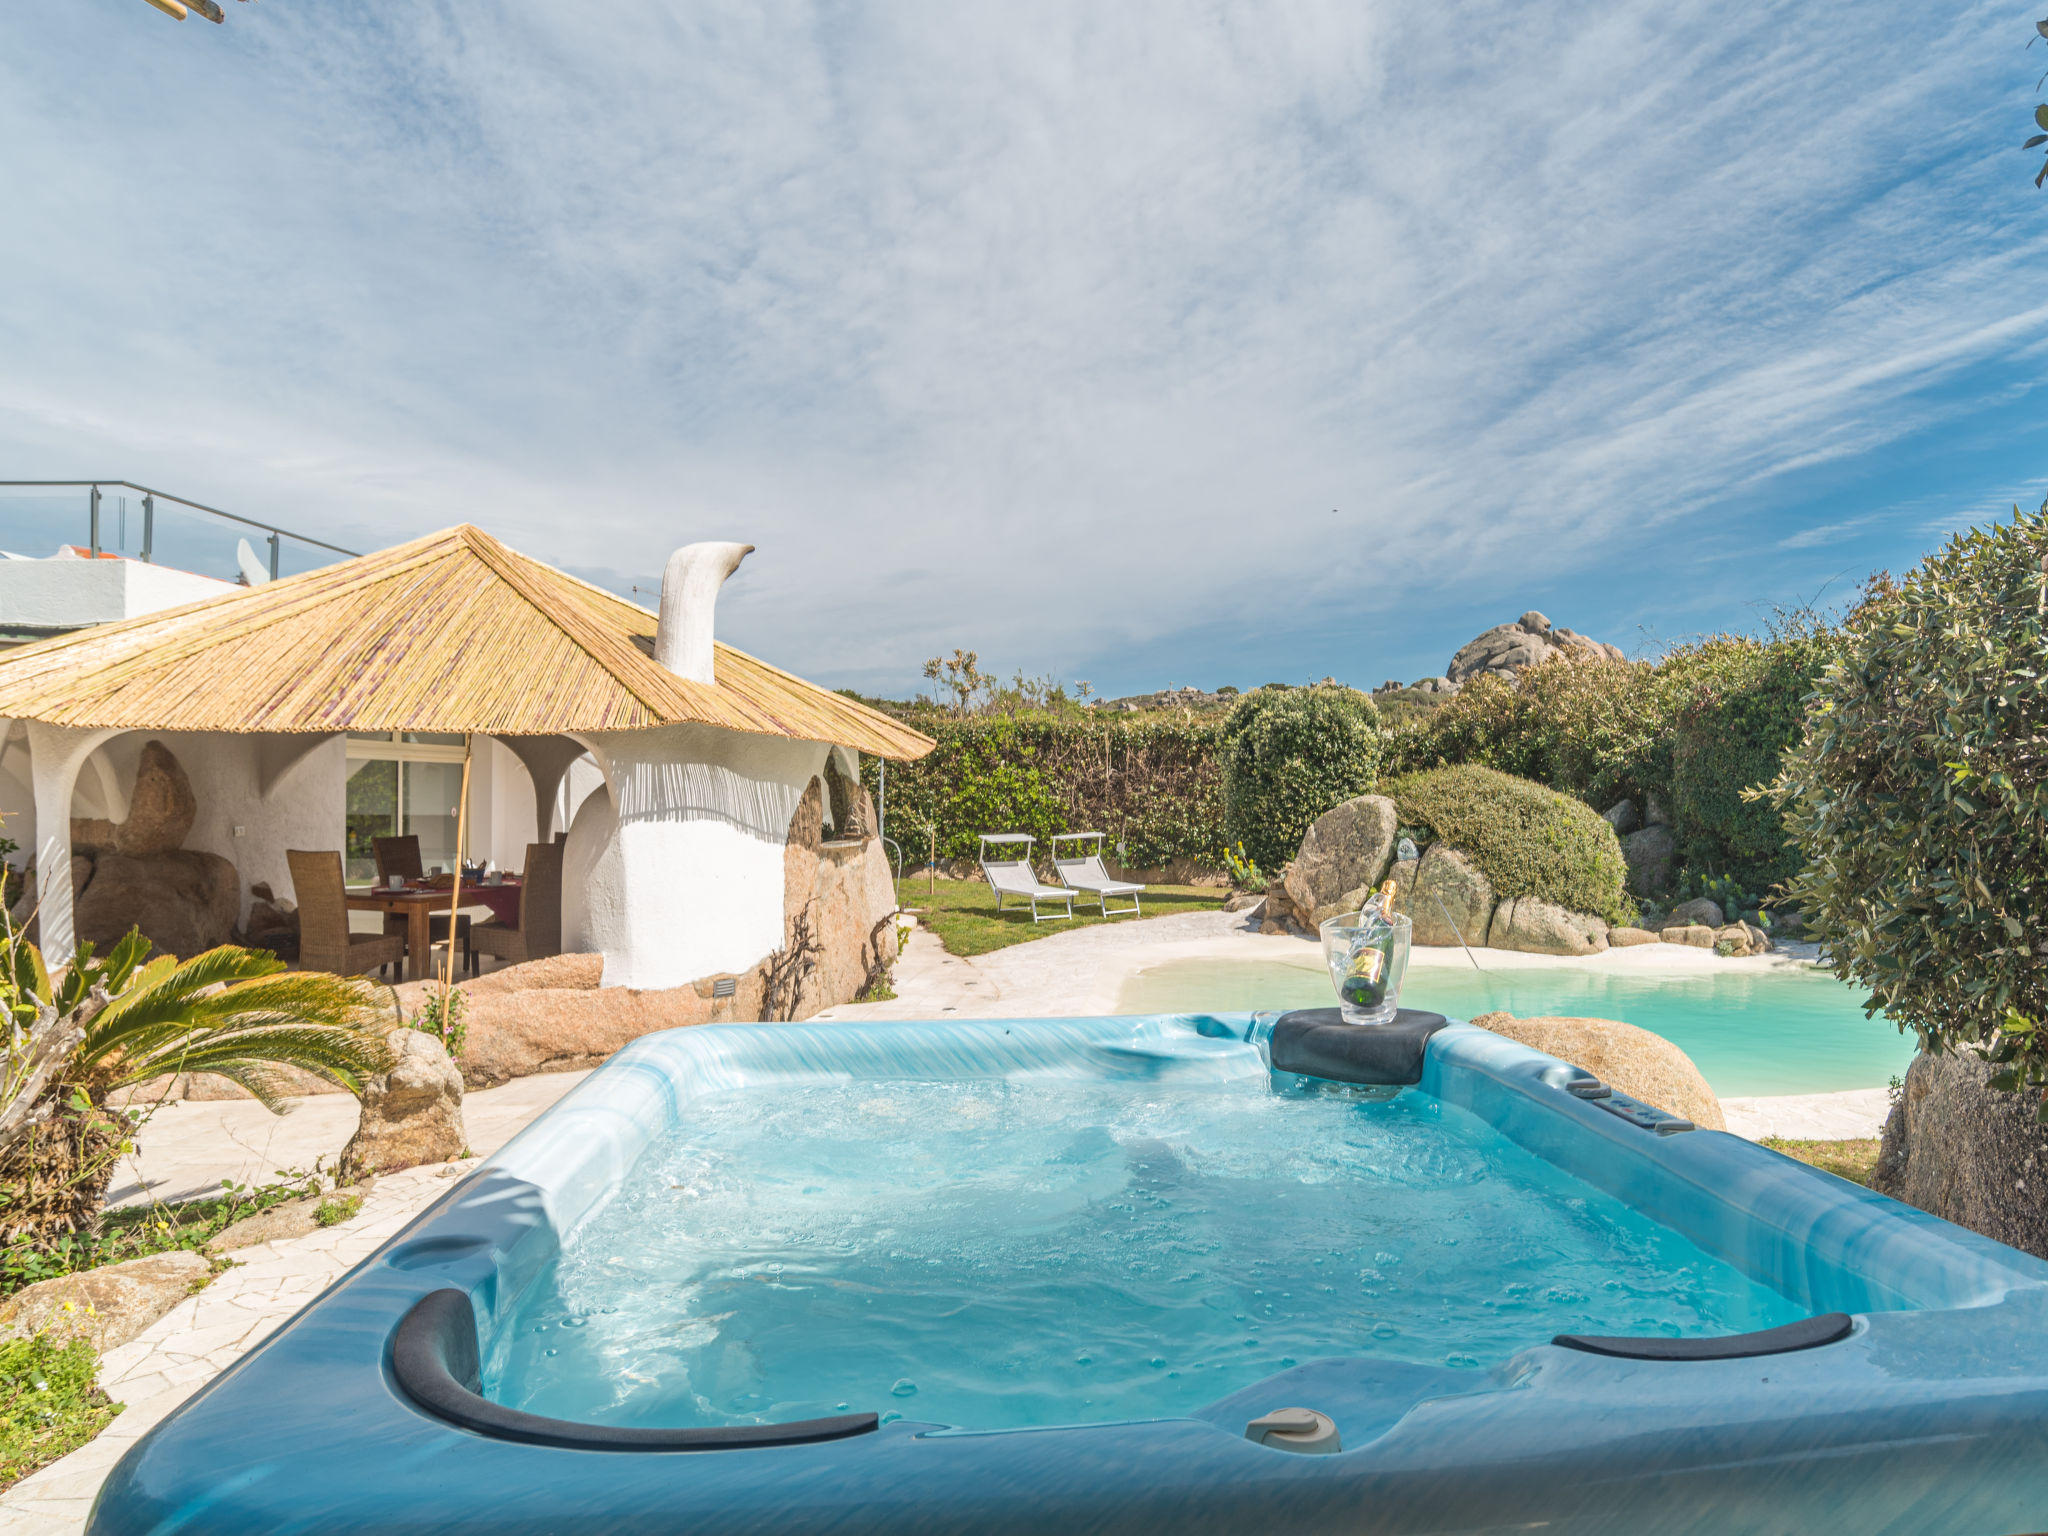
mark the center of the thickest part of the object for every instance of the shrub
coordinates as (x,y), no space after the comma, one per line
(1694,730)
(1526,840)
(336,1209)
(50,1403)
(1288,756)
(441,1016)
(1919,798)
(1594,729)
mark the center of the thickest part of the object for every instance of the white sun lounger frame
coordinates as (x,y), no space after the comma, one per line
(1015,877)
(1084,871)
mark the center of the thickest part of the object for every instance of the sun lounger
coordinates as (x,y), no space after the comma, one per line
(1081,867)
(1015,877)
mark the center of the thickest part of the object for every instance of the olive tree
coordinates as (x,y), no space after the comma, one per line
(1919,797)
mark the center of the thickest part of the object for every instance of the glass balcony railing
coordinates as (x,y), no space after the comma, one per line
(118,517)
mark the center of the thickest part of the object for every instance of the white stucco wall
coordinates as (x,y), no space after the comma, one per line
(73,592)
(678,872)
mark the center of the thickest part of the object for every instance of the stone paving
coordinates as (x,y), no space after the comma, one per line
(196,1146)
(206,1333)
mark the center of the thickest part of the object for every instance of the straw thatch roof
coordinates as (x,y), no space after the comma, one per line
(452,632)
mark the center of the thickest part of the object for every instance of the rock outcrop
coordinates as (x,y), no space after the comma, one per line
(184,901)
(552,1015)
(1967,1152)
(1629,938)
(1452,901)
(1698,935)
(273,924)
(1651,854)
(137,874)
(1638,1063)
(1735,939)
(1343,856)
(108,1306)
(412,1114)
(161,810)
(1698,911)
(1623,817)
(1538,927)
(1528,642)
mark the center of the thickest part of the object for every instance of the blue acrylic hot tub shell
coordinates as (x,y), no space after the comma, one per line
(1931,1416)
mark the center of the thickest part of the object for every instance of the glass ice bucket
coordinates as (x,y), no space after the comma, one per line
(1366,964)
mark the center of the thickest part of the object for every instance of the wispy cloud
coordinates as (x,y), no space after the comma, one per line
(1056,332)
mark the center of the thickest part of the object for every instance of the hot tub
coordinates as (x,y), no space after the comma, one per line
(1181,1273)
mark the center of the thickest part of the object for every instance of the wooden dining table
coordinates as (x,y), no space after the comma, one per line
(418,904)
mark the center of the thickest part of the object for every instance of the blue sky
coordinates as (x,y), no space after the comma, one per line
(1149,344)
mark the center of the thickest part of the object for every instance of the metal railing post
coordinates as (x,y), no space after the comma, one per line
(274,547)
(150,497)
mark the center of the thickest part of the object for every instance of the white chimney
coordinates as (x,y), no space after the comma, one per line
(689,598)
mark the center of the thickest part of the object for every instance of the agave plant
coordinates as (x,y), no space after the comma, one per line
(118,1021)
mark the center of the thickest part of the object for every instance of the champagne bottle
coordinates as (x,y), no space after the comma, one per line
(1365,985)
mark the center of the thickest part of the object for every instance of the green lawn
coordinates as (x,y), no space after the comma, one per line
(963,913)
(1852,1160)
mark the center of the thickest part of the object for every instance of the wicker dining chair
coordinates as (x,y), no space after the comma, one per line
(325,944)
(539,932)
(401,856)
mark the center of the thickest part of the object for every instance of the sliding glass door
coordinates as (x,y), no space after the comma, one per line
(399,783)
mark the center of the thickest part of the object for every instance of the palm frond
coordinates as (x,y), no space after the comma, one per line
(344,1056)
(172,997)
(164,991)
(239,1014)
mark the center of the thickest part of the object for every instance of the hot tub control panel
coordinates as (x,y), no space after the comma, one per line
(1647,1116)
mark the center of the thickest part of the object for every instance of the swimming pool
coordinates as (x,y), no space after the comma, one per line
(1175,1273)
(1790,1029)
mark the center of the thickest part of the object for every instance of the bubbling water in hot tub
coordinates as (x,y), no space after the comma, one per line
(1003,1253)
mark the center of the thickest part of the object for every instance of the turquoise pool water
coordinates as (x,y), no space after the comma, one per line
(1787,1030)
(1060,1249)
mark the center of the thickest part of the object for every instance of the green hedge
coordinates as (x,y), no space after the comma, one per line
(1153,786)
(1744,707)
(1288,756)
(1527,840)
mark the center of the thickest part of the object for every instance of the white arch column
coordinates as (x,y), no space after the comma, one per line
(547,759)
(56,754)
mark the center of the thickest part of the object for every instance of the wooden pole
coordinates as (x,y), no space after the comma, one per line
(455,891)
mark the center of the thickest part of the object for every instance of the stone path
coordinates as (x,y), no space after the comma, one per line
(206,1333)
(190,1145)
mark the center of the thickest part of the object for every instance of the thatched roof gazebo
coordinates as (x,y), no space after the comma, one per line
(704,749)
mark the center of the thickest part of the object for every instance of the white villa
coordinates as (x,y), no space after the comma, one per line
(320,710)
